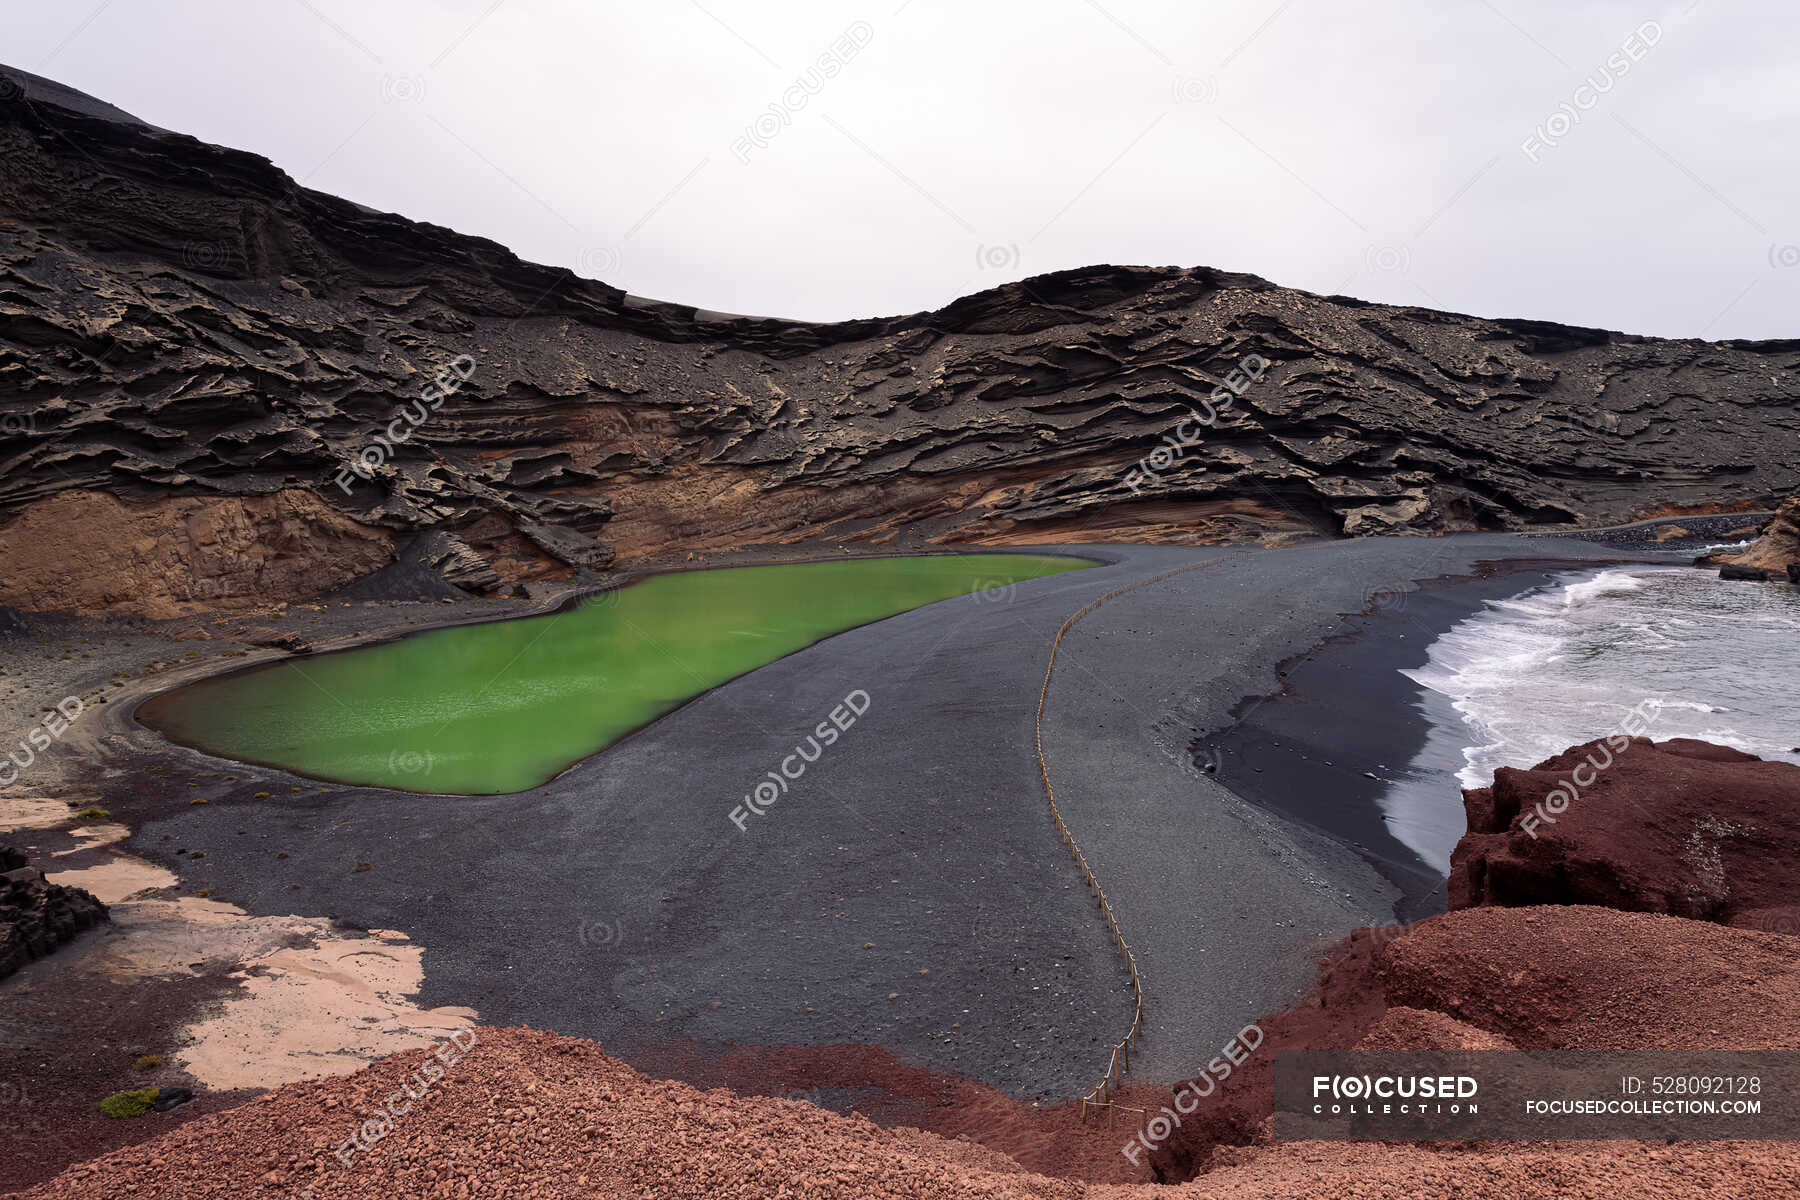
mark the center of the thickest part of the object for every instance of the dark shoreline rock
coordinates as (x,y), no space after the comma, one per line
(37,916)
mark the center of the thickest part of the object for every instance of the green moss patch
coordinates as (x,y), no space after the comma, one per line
(134,1103)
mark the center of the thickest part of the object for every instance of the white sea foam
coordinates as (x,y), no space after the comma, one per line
(1530,676)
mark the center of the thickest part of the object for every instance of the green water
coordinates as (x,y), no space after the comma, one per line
(487,709)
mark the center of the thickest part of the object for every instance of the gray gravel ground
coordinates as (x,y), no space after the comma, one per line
(1227,906)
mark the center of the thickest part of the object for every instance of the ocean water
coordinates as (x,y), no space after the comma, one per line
(1530,676)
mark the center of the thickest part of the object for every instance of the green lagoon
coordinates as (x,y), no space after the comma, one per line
(502,707)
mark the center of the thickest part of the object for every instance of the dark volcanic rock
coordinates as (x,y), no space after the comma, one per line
(435,566)
(186,331)
(1681,827)
(37,916)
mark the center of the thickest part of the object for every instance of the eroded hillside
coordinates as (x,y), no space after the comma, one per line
(196,355)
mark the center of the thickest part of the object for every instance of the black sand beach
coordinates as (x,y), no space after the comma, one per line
(1326,748)
(1345,725)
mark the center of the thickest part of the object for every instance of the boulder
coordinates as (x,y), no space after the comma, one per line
(37,916)
(1680,826)
(570,546)
(1776,550)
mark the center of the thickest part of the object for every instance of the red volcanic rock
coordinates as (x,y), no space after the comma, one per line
(1681,827)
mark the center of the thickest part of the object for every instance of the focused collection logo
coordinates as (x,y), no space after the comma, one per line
(1394,1095)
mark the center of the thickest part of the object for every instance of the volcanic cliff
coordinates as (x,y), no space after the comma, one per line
(197,353)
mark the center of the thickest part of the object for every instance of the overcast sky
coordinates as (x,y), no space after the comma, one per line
(828,160)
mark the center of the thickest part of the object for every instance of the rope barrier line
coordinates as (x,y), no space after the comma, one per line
(1100,1095)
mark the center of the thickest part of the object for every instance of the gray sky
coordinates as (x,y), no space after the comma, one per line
(1373,147)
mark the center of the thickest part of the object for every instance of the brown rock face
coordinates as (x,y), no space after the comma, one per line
(181,320)
(1678,827)
(1776,549)
(164,557)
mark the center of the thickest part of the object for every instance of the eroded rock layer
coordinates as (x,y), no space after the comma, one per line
(183,322)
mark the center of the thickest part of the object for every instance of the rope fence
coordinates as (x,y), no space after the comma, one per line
(1100,1096)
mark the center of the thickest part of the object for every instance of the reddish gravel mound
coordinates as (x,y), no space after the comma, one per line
(1345,1004)
(527,1114)
(533,1116)
(1049,1140)
(1680,827)
(1706,830)
(1531,1171)
(1585,978)
(1420,1029)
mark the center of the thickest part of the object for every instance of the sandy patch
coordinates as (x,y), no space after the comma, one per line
(115,879)
(313,1001)
(19,812)
(322,1009)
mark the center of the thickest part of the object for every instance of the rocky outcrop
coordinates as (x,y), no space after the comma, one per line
(1680,826)
(1566,941)
(184,323)
(37,916)
(1775,554)
(433,566)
